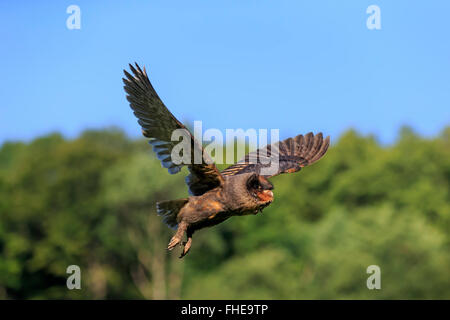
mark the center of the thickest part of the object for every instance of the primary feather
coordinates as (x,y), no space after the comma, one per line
(292,154)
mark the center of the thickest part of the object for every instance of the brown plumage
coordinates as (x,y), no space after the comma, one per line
(241,189)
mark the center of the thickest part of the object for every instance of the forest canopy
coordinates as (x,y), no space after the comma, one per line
(90,201)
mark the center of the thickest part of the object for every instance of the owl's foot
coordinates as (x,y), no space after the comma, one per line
(176,239)
(173,242)
(187,246)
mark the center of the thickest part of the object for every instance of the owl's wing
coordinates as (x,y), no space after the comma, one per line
(291,154)
(158,124)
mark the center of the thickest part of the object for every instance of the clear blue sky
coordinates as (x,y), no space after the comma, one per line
(294,65)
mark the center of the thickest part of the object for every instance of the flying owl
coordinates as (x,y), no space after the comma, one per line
(215,196)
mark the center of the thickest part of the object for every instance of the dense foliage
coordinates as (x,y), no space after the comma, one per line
(91,202)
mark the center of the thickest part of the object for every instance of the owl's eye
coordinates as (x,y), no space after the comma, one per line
(254,184)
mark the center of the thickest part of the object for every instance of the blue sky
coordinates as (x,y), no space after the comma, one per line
(294,65)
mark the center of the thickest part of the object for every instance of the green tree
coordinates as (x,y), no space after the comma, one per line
(90,201)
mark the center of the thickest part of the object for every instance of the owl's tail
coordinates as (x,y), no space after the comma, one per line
(168,210)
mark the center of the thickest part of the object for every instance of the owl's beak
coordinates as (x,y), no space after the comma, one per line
(265,196)
(269,193)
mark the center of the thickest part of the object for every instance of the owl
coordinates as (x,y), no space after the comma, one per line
(241,189)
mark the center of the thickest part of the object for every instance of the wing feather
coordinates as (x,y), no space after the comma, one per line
(158,124)
(292,154)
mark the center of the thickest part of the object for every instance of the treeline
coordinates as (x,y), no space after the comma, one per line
(91,202)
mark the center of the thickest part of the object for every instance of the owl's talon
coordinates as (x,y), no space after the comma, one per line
(187,247)
(173,243)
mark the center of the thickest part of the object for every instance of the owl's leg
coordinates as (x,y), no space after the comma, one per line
(187,244)
(176,239)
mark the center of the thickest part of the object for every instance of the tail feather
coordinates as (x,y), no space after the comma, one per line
(168,210)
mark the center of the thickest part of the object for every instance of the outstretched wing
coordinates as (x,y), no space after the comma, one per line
(292,154)
(158,125)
